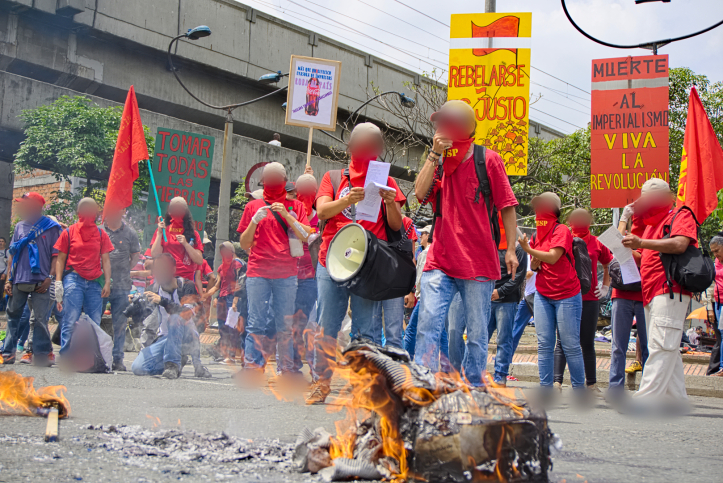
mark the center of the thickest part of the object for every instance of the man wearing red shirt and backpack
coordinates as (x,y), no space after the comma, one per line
(272,271)
(463,257)
(663,379)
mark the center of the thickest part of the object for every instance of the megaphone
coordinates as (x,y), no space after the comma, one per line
(368,267)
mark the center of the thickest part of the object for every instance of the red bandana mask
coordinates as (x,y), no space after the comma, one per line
(653,213)
(275,193)
(308,201)
(176,226)
(88,228)
(358,167)
(454,156)
(545,221)
(580,230)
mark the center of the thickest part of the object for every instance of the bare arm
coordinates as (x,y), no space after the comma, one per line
(60,265)
(606,275)
(134,259)
(673,246)
(509,221)
(195,255)
(425,177)
(247,237)
(156,247)
(394,212)
(327,208)
(105,262)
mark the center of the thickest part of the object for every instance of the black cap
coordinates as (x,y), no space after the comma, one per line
(290,187)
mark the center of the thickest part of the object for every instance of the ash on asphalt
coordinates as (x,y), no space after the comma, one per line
(211,430)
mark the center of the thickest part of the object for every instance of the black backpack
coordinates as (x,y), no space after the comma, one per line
(479,154)
(583,263)
(693,270)
(616,279)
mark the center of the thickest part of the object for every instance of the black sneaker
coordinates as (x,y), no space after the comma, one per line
(201,371)
(171,371)
(119,366)
(7,360)
(184,361)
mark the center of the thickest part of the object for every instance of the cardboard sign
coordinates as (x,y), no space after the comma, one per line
(489,65)
(629,128)
(181,167)
(313,92)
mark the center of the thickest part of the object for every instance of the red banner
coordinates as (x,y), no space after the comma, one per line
(629,128)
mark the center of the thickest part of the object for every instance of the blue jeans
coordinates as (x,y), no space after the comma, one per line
(410,337)
(437,292)
(305,296)
(393,321)
(522,318)
(623,311)
(457,324)
(80,295)
(118,303)
(552,316)
(24,326)
(180,339)
(502,317)
(260,291)
(717,308)
(333,302)
(18,304)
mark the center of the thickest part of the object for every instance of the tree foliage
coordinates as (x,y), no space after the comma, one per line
(74,137)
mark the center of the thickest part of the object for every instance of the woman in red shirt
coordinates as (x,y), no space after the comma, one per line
(558,302)
(184,243)
(580,221)
(333,204)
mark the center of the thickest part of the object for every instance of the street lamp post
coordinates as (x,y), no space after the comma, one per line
(224,195)
(404,100)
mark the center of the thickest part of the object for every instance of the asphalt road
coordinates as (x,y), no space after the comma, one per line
(599,445)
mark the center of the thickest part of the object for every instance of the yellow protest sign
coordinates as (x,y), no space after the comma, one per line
(489,66)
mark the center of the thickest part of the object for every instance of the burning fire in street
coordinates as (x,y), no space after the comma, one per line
(19,397)
(405,423)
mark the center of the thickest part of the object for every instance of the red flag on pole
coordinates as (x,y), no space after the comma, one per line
(130,149)
(701,168)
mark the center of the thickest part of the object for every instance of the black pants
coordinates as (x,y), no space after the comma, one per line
(588,326)
(714,364)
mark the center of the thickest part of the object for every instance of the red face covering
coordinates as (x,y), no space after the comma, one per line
(580,230)
(308,201)
(545,221)
(275,193)
(454,156)
(87,228)
(359,165)
(653,212)
(176,227)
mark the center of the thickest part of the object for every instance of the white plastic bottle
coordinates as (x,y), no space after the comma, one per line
(295,245)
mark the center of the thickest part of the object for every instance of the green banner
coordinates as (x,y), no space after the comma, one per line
(181,167)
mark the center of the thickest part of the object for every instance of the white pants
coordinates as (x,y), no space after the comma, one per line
(663,377)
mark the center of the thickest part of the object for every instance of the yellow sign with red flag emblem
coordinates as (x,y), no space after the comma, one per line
(489,62)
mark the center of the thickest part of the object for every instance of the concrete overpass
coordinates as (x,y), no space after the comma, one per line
(100,47)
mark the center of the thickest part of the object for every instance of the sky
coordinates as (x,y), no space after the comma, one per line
(417,38)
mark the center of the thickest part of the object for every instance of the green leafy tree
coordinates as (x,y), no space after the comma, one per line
(74,137)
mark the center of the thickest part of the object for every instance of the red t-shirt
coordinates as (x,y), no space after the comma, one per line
(559,280)
(597,252)
(336,223)
(205,270)
(306,269)
(228,277)
(651,267)
(270,255)
(463,246)
(411,234)
(84,256)
(184,265)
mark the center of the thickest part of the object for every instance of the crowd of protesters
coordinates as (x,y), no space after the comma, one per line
(476,274)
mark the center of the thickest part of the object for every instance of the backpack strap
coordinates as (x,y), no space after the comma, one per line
(484,189)
(281,221)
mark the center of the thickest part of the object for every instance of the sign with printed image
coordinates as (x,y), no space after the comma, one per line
(313,92)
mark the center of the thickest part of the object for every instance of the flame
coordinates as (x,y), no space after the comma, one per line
(157,421)
(18,396)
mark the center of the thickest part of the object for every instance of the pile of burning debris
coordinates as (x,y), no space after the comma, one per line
(406,423)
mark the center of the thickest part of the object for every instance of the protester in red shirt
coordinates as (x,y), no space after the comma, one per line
(229,292)
(580,221)
(266,227)
(81,283)
(306,290)
(663,379)
(334,204)
(626,306)
(184,242)
(558,302)
(463,257)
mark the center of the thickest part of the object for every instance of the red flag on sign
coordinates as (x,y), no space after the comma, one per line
(701,168)
(508,26)
(130,149)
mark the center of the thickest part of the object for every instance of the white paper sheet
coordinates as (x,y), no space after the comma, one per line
(612,239)
(629,271)
(368,208)
(232,318)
